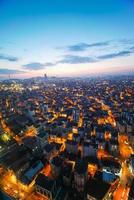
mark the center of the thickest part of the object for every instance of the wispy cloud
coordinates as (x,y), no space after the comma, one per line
(49,64)
(71,59)
(37,65)
(78,47)
(74,59)
(10,71)
(126,41)
(115,55)
(131,48)
(33,66)
(126,49)
(84,46)
(8,58)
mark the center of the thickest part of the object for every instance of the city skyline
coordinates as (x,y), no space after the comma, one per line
(66,38)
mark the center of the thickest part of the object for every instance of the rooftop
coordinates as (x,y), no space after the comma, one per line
(44,182)
(97,188)
(57,161)
(81,166)
(67,169)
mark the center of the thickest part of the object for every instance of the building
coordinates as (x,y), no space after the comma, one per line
(30,174)
(49,150)
(80,175)
(14,159)
(46,186)
(67,169)
(56,164)
(114,147)
(72,146)
(111,170)
(76,138)
(109,176)
(43,137)
(97,189)
(21,165)
(89,149)
(33,144)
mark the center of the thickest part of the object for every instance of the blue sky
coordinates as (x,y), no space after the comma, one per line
(66,37)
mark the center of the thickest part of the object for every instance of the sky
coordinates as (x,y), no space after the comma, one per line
(66,37)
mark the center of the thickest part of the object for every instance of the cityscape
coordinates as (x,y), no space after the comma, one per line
(66,99)
(67,138)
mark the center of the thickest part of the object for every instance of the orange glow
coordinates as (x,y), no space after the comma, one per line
(107,135)
(13,178)
(31,132)
(102,153)
(93,133)
(18,139)
(122,138)
(80,123)
(125,151)
(70,136)
(107,120)
(75,130)
(121,193)
(124,147)
(92,169)
(37,196)
(47,170)
(15,188)
(6,128)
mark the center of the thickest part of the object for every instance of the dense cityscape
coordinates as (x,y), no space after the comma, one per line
(66,99)
(67,138)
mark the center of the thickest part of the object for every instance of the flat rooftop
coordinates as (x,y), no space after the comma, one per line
(44,182)
(81,166)
(97,188)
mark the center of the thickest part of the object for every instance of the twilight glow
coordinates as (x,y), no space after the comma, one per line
(66,37)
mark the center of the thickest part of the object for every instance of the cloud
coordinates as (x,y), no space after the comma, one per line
(37,65)
(114,55)
(74,59)
(84,46)
(78,47)
(10,71)
(49,64)
(71,59)
(126,41)
(131,48)
(8,58)
(33,66)
(125,48)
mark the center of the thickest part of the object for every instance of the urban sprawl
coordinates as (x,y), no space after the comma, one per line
(67,138)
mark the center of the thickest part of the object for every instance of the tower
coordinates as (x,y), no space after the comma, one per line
(45,76)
